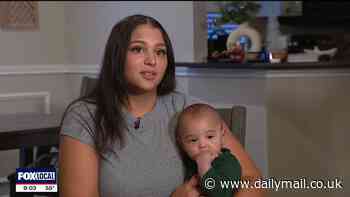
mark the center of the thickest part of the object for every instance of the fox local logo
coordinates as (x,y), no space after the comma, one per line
(36,175)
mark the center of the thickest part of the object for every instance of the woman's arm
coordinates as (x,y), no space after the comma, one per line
(187,189)
(249,170)
(78,169)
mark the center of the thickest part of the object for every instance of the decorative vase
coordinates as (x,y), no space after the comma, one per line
(252,35)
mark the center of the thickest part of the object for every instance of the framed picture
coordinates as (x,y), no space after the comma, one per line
(19,15)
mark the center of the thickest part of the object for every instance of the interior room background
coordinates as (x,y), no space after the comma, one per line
(297,122)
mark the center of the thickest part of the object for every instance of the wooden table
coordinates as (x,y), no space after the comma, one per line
(25,131)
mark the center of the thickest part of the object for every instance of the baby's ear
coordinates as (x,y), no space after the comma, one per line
(177,138)
(222,127)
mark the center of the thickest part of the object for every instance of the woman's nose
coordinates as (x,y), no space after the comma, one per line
(150,58)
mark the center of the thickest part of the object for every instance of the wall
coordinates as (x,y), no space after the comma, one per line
(39,51)
(27,49)
(308,130)
(45,46)
(297,120)
(88,25)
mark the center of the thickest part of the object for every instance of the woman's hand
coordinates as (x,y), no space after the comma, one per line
(188,189)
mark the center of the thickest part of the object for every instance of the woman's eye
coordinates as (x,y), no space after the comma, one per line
(161,52)
(136,49)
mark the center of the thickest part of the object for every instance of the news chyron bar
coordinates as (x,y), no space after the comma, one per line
(36,180)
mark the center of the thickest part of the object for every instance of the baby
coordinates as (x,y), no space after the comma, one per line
(199,135)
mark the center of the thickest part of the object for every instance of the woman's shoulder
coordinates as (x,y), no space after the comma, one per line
(81,107)
(78,121)
(79,113)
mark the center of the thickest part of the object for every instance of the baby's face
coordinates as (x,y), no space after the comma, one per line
(201,134)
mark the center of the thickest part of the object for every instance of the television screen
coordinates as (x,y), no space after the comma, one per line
(217,34)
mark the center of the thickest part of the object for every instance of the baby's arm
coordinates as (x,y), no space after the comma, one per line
(204,160)
(225,168)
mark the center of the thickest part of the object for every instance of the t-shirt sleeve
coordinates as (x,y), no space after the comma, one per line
(78,123)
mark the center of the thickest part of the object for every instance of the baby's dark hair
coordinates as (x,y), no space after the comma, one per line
(193,111)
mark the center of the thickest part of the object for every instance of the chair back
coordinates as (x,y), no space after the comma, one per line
(235,118)
(87,85)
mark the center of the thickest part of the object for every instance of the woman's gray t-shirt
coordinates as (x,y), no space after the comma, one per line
(149,164)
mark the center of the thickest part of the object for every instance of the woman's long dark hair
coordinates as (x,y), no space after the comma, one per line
(111,93)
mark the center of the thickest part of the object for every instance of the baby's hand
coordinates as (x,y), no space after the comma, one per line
(203,160)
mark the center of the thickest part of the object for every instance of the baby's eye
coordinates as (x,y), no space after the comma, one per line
(192,140)
(136,49)
(210,136)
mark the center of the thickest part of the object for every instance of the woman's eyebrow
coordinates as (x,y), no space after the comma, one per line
(161,45)
(143,42)
(137,41)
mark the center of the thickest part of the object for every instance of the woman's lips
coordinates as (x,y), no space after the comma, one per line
(149,75)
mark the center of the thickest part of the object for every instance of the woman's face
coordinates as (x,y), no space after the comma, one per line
(146,60)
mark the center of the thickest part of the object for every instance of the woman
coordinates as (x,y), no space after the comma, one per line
(118,141)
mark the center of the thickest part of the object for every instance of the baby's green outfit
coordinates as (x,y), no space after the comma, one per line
(225,167)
